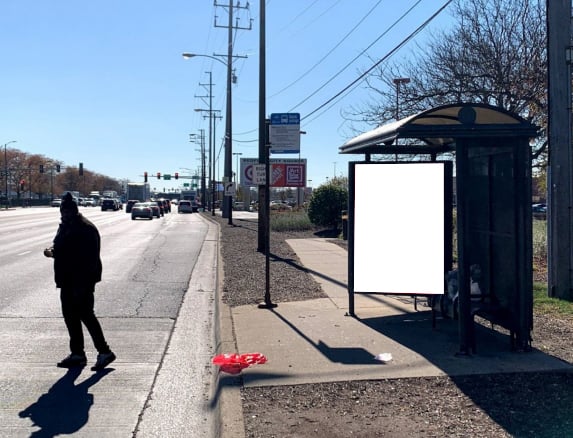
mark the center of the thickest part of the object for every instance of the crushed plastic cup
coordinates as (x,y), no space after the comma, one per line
(234,363)
(383,357)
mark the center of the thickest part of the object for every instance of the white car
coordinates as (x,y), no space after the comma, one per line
(185,207)
(280,205)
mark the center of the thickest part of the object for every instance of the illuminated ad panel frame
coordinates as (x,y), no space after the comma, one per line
(400,227)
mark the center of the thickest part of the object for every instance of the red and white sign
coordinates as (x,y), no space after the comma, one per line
(284,172)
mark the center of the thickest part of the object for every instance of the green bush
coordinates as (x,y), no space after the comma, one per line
(326,205)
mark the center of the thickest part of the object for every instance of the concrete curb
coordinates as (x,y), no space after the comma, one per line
(226,389)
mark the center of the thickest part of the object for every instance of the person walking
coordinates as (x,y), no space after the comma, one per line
(77,269)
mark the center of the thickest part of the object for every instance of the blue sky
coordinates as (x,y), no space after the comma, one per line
(104,83)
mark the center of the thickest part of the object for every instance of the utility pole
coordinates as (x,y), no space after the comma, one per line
(228,167)
(211,161)
(203,187)
(560,177)
(263,238)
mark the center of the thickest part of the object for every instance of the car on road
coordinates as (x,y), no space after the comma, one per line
(129,204)
(154,208)
(185,207)
(56,202)
(160,206)
(142,210)
(109,204)
(166,205)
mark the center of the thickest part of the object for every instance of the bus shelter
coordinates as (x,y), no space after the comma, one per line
(487,183)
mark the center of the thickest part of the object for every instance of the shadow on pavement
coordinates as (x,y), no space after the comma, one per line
(64,409)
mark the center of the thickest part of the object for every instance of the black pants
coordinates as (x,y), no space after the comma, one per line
(78,308)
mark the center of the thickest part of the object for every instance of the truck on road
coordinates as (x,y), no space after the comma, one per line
(138,192)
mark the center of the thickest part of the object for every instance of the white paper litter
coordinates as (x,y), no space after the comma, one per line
(384,357)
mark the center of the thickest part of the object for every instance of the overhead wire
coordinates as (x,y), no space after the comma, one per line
(394,24)
(356,81)
(316,64)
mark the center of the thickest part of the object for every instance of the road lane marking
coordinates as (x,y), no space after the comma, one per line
(24,253)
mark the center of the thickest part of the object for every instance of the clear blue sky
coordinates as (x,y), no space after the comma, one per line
(104,82)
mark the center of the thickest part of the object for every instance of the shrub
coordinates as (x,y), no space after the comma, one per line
(326,205)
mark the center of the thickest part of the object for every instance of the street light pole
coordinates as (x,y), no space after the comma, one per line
(237,154)
(6,168)
(228,171)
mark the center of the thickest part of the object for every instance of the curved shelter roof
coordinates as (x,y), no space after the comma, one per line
(438,128)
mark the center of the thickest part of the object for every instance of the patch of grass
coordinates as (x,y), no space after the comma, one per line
(290,221)
(539,238)
(550,306)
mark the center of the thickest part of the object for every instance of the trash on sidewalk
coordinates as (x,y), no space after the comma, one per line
(384,357)
(234,363)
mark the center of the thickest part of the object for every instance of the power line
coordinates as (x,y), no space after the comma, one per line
(344,38)
(388,55)
(404,15)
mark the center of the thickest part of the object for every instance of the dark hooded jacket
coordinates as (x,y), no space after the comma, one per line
(77,253)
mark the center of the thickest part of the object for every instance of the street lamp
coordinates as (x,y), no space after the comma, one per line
(6,168)
(237,154)
(398,82)
(228,171)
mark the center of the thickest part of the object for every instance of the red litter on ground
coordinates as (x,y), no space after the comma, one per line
(234,363)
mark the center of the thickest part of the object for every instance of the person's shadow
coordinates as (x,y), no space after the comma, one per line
(64,409)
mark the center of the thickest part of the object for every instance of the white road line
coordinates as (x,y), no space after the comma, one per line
(24,253)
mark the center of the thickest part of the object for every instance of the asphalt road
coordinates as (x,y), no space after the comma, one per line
(161,333)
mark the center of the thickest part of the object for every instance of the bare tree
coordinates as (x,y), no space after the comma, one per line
(494,53)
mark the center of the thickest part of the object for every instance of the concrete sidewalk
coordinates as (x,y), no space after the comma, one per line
(314,341)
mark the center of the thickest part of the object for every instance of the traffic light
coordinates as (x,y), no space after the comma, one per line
(41,168)
(81,169)
(176,175)
(144,176)
(158,175)
(57,168)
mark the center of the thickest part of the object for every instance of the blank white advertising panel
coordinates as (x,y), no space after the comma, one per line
(399,228)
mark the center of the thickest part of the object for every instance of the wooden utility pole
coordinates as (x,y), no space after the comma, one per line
(560,178)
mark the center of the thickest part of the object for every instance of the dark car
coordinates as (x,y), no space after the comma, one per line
(161,207)
(130,204)
(167,203)
(109,204)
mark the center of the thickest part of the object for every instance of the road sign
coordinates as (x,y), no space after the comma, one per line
(284,133)
(285,172)
(254,174)
(166,176)
(229,189)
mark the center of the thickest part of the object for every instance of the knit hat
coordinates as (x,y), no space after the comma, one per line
(68,203)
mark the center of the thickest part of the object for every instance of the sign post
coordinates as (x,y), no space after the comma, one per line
(284,133)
